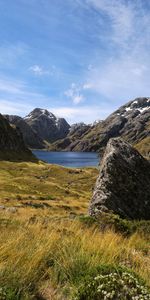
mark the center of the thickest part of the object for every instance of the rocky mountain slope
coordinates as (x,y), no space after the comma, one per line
(131,121)
(12,146)
(40,127)
(30,137)
(46,125)
(76,132)
(123,185)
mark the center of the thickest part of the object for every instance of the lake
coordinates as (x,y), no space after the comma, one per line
(69,159)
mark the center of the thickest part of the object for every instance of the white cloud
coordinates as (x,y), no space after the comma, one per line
(122,17)
(82,113)
(87,86)
(121,79)
(8,107)
(16,91)
(77,99)
(74,93)
(9,85)
(39,71)
(124,73)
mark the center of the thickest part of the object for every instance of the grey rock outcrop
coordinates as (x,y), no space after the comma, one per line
(123,185)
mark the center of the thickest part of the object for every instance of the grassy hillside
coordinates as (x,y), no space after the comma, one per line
(144,147)
(47,244)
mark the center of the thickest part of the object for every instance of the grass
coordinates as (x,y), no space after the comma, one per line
(59,188)
(47,251)
(144,147)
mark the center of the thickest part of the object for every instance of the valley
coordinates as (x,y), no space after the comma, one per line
(43,130)
(48,244)
(74,150)
(63,227)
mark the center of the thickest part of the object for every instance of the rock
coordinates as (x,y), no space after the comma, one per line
(12,209)
(2,207)
(123,185)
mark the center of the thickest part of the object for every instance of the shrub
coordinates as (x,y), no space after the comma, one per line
(126,227)
(8,294)
(88,220)
(113,283)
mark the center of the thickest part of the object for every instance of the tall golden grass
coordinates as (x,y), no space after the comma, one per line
(63,251)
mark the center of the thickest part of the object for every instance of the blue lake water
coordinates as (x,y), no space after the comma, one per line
(69,159)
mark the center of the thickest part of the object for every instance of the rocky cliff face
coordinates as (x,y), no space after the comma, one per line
(130,121)
(76,132)
(123,185)
(12,146)
(46,125)
(30,137)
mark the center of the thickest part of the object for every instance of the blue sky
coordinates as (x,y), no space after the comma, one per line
(81,59)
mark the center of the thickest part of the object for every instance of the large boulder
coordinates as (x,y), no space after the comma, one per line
(123,185)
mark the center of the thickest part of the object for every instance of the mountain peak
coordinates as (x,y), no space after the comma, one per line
(46,125)
(38,112)
(138,105)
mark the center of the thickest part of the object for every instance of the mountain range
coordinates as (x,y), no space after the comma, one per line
(40,127)
(131,122)
(43,130)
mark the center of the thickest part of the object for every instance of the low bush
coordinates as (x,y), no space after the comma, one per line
(126,227)
(113,283)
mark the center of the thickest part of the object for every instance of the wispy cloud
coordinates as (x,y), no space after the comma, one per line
(124,74)
(121,79)
(11,53)
(11,86)
(18,92)
(16,108)
(121,14)
(82,113)
(39,71)
(74,93)
(97,51)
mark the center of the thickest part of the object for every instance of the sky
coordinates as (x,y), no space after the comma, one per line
(80,59)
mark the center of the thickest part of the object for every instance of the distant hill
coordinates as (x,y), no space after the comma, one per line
(131,122)
(12,146)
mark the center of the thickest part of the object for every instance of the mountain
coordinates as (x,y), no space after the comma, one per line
(30,137)
(46,125)
(123,185)
(12,146)
(131,122)
(76,132)
(40,128)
